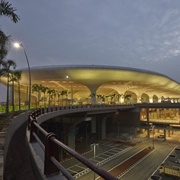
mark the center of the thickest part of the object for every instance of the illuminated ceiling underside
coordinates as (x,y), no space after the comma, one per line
(109,79)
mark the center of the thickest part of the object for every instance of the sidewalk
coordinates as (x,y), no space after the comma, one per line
(3,133)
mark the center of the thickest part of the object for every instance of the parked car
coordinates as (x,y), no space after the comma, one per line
(161,136)
(155,177)
(178,161)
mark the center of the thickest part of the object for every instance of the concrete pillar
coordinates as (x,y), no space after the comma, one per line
(71,138)
(135,131)
(148,132)
(157,113)
(165,134)
(168,133)
(103,128)
(165,112)
(93,125)
(147,116)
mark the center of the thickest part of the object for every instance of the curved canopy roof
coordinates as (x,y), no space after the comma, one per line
(110,77)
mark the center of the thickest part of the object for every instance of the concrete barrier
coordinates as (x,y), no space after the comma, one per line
(17,163)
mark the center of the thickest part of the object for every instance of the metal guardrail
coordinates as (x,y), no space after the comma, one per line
(50,144)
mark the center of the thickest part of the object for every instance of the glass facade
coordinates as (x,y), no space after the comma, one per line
(160,114)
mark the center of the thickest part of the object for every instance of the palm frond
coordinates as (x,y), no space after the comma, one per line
(6,9)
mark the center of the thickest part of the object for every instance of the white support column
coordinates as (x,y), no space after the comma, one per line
(122,99)
(93,98)
(159,99)
(93,90)
(150,99)
(139,98)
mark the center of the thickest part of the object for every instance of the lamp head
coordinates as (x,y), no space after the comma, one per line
(17,45)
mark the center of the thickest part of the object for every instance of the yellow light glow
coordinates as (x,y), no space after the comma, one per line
(17,45)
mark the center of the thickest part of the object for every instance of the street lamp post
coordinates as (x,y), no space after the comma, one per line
(86,133)
(17,45)
(94,150)
(86,120)
(67,77)
(153,126)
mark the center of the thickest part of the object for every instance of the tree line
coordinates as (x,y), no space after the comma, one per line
(53,95)
(8,66)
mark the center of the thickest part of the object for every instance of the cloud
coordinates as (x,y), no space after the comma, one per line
(141,34)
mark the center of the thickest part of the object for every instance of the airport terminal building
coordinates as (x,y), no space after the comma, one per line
(139,102)
(95,84)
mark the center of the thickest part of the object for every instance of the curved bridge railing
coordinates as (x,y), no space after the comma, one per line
(51,145)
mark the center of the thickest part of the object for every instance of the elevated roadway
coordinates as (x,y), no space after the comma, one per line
(91,110)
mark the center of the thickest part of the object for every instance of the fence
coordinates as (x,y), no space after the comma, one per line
(51,145)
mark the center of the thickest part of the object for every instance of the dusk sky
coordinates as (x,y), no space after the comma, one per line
(141,34)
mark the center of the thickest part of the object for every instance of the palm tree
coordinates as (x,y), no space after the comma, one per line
(118,97)
(64,92)
(39,93)
(50,91)
(11,79)
(102,98)
(43,90)
(93,98)
(127,97)
(53,95)
(6,9)
(4,42)
(6,70)
(15,77)
(98,97)
(35,88)
(112,96)
(59,95)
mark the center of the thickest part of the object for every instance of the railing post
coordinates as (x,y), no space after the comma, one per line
(29,121)
(33,129)
(36,113)
(33,115)
(39,112)
(51,149)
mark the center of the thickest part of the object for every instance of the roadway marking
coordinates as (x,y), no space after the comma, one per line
(109,158)
(126,165)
